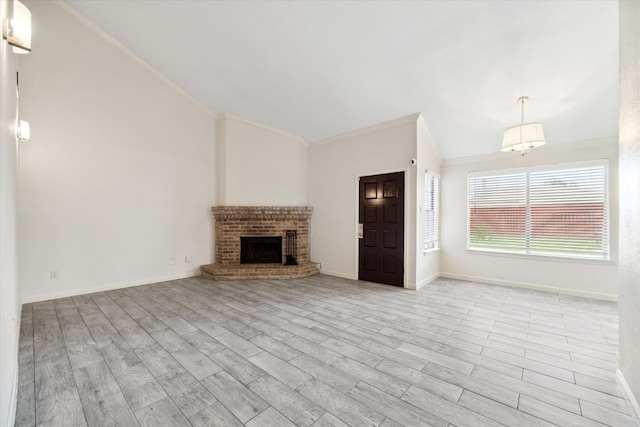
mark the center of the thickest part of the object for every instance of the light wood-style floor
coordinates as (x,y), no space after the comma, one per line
(319,351)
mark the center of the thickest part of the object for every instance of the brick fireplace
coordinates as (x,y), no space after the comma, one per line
(234,222)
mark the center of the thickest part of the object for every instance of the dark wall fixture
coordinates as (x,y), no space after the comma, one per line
(292,248)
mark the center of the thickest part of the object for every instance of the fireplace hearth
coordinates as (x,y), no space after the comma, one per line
(282,232)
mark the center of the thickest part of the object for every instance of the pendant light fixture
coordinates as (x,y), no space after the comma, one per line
(525,137)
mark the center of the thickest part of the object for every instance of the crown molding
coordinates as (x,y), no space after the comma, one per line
(265,127)
(392,123)
(574,145)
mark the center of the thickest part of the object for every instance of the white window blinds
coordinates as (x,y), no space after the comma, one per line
(431,210)
(560,210)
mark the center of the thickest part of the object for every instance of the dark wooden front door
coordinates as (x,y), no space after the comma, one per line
(381,215)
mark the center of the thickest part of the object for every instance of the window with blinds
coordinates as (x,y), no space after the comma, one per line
(431,210)
(560,210)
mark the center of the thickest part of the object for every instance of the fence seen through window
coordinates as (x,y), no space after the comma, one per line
(560,210)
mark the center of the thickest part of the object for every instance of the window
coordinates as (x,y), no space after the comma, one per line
(431,210)
(559,210)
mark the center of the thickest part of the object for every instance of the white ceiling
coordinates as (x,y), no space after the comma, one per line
(322,68)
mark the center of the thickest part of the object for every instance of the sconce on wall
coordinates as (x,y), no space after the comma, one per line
(24,131)
(525,137)
(17,31)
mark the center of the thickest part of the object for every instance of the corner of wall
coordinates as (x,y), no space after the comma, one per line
(221,176)
(423,127)
(629,395)
(629,182)
(424,282)
(10,305)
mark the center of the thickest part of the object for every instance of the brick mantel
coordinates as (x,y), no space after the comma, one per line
(232,222)
(276,213)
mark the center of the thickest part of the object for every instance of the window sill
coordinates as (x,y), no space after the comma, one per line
(428,251)
(543,257)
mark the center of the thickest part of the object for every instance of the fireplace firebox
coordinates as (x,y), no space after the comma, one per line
(261,250)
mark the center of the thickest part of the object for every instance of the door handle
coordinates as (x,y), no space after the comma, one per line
(360,231)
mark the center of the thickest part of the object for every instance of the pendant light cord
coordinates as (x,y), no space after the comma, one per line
(522,101)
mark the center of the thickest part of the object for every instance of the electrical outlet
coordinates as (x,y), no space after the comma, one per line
(187,258)
(53,274)
(172,261)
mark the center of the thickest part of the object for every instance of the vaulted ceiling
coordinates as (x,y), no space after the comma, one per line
(322,68)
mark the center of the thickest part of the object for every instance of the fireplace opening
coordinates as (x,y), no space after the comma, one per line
(261,250)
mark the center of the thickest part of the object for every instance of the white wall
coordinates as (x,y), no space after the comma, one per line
(9,294)
(334,167)
(119,176)
(427,263)
(594,279)
(260,166)
(630,196)
(279,171)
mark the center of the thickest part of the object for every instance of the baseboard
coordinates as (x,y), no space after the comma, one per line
(564,291)
(423,282)
(337,274)
(409,286)
(629,395)
(427,280)
(109,287)
(14,388)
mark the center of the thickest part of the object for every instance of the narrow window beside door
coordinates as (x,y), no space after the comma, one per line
(431,210)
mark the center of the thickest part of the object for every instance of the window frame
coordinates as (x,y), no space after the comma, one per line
(435,243)
(537,253)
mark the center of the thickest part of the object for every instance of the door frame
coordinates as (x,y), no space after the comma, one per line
(405,250)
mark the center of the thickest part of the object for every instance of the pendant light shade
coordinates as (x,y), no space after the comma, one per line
(525,137)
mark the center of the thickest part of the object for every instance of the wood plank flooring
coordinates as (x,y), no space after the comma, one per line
(319,351)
